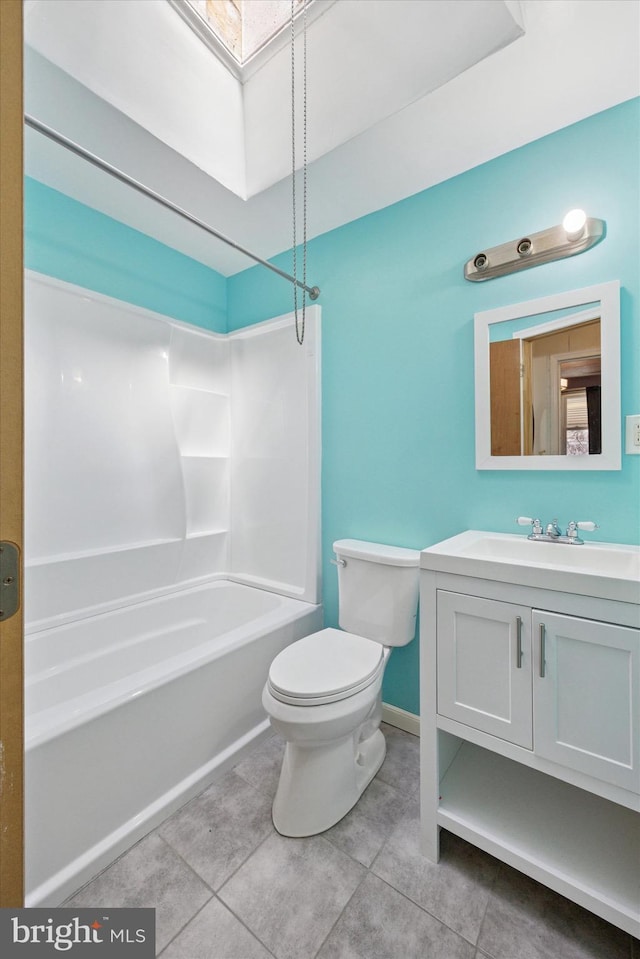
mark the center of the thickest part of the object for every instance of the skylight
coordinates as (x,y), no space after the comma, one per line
(244,26)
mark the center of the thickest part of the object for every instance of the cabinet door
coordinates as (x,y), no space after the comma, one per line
(586,686)
(484,665)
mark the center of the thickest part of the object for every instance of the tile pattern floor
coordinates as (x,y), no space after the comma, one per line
(226,885)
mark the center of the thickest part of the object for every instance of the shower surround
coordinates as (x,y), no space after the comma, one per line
(172,549)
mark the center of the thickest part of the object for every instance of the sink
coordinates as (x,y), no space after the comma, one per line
(603,559)
(607,570)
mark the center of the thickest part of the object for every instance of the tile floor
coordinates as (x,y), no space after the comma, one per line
(225,885)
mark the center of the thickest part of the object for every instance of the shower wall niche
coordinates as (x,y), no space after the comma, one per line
(159,455)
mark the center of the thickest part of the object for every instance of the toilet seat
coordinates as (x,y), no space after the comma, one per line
(325,667)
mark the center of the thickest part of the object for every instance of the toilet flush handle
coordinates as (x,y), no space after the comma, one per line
(339,562)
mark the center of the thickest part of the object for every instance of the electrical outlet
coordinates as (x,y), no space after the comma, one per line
(632,434)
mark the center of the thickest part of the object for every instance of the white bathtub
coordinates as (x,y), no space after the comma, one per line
(130,713)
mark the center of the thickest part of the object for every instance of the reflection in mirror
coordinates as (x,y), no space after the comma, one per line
(545,387)
(546,372)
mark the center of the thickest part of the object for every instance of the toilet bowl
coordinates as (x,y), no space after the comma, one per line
(323,693)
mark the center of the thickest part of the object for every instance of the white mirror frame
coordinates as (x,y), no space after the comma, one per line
(609,459)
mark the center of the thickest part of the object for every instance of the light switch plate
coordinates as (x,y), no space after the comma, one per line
(632,434)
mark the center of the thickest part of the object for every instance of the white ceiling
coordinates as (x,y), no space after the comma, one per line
(367,59)
(402,95)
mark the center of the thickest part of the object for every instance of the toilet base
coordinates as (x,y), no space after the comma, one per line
(320,782)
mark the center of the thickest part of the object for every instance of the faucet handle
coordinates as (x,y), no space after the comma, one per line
(534,523)
(573,527)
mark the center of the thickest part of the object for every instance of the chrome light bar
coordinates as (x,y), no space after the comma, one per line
(576,234)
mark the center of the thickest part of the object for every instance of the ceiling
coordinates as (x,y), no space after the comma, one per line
(402,94)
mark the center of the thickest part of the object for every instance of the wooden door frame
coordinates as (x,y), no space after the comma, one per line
(11,449)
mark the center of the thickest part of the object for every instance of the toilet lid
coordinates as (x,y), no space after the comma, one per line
(325,667)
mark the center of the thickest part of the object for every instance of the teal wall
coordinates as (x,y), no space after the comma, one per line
(398,389)
(68,240)
(398,402)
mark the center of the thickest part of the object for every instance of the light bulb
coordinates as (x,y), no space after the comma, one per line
(574,223)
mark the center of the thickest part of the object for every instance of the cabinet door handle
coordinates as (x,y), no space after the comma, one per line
(518,642)
(543,636)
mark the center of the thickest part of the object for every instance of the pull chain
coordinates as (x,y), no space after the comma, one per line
(299,327)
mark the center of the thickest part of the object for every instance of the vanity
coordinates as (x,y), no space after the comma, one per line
(530,715)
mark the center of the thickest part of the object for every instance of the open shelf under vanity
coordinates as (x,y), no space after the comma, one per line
(560,835)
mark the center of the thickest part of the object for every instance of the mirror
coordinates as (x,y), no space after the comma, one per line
(548,382)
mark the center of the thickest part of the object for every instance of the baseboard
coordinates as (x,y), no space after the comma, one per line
(400,718)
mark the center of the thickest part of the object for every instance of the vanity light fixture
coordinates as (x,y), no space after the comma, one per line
(577,233)
(574,224)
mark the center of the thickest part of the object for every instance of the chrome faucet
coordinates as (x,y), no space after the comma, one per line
(553,530)
(553,533)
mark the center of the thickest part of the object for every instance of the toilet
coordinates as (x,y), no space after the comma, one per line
(323,694)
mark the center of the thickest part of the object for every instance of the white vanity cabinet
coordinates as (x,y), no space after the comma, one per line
(564,686)
(484,665)
(530,729)
(586,678)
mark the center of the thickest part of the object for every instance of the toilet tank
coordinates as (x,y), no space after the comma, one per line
(378,590)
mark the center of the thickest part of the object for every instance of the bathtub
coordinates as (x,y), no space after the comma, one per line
(132,712)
